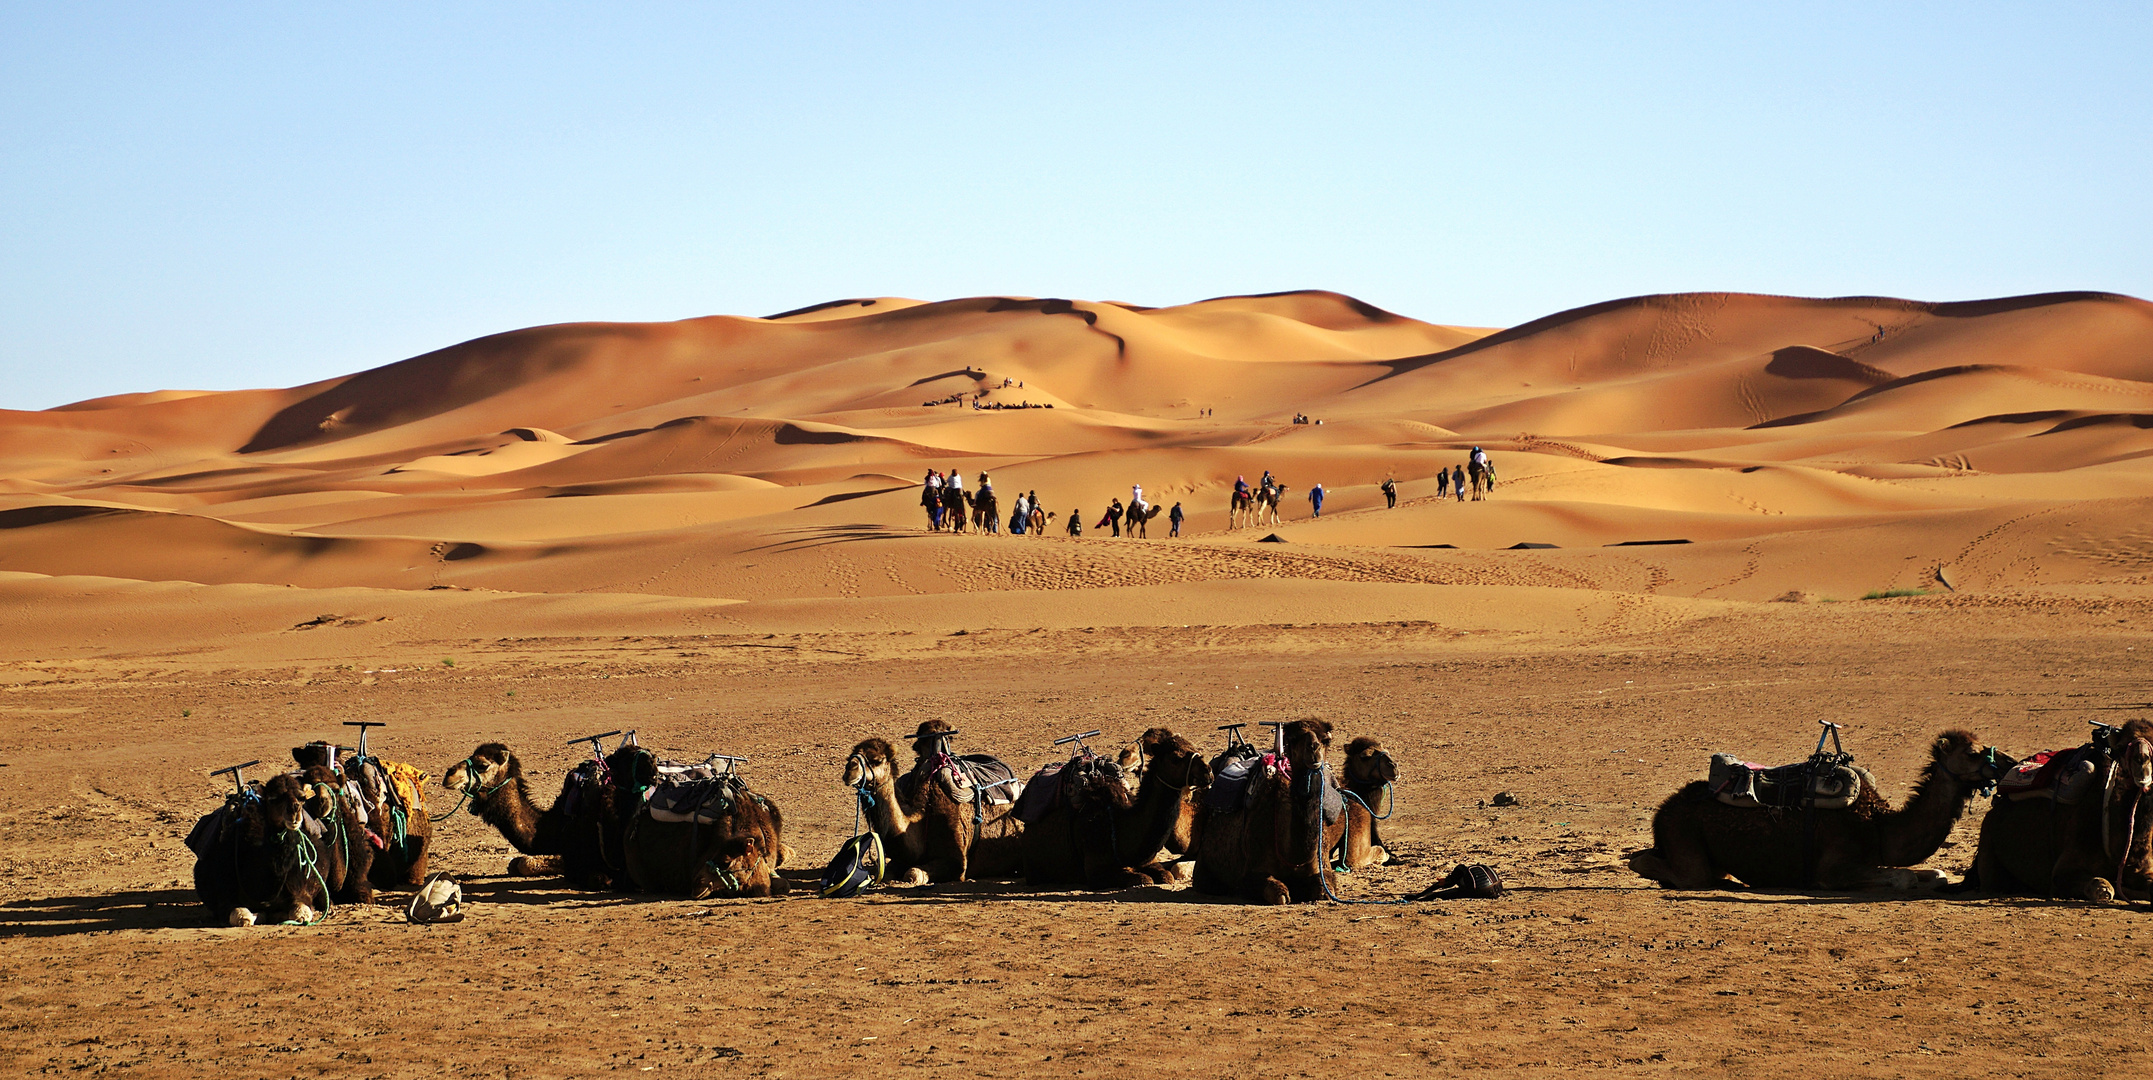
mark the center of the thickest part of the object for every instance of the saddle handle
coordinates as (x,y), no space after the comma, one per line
(598,750)
(364,726)
(239,785)
(1278,735)
(1077,739)
(732,764)
(1233,735)
(1831,731)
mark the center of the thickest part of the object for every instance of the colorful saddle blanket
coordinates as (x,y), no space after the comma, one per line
(2066,776)
(1787,787)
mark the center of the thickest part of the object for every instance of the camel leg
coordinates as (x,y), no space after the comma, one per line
(535,866)
(1269,890)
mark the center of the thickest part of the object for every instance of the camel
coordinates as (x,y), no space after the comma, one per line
(251,860)
(578,837)
(1274,845)
(1240,509)
(1097,834)
(2095,849)
(342,853)
(1369,774)
(1267,498)
(954,501)
(934,825)
(399,821)
(1040,520)
(1698,841)
(705,838)
(1135,521)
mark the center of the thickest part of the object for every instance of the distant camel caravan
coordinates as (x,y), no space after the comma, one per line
(1818,824)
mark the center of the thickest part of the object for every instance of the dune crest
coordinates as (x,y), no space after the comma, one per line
(732,457)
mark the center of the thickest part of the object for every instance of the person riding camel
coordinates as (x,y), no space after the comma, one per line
(1136,498)
(1240,486)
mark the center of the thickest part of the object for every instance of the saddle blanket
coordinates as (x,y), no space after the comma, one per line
(2066,776)
(1231,789)
(1039,793)
(1739,783)
(972,776)
(701,801)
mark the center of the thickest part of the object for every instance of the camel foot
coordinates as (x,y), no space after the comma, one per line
(2099,891)
(1648,864)
(785,854)
(239,916)
(302,913)
(1179,872)
(1273,891)
(534,866)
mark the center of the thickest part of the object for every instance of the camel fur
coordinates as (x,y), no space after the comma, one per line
(253,869)
(1276,848)
(2036,847)
(1100,834)
(1698,841)
(1368,773)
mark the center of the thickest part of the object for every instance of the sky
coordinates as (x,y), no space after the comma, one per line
(220,196)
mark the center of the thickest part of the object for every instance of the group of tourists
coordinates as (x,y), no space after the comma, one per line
(1477,470)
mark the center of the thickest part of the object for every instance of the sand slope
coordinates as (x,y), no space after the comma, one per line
(745,458)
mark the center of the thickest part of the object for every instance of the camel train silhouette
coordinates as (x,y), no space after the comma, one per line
(1263,826)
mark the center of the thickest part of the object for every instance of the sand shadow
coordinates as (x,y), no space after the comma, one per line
(826,535)
(60,916)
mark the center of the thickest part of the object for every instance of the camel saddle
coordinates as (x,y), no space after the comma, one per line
(703,801)
(969,777)
(1231,790)
(1038,795)
(2066,776)
(1804,785)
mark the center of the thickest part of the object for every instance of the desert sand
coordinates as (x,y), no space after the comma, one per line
(710,531)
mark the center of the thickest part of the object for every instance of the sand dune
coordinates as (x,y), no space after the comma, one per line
(729,457)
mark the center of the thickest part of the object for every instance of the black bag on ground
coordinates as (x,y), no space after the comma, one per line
(859,864)
(1470,881)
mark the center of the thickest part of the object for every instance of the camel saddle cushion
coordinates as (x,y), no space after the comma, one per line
(1230,773)
(1787,787)
(2063,775)
(701,801)
(1038,795)
(983,777)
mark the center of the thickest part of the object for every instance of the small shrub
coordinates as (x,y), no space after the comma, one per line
(448,663)
(1887,594)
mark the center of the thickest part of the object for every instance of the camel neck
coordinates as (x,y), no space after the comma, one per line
(889,818)
(1916,830)
(509,809)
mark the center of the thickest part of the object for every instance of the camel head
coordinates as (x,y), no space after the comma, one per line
(485,771)
(281,799)
(738,867)
(1174,760)
(873,761)
(2134,755)
(632,767)
(1306,742)
(1959,755)
(1367,765)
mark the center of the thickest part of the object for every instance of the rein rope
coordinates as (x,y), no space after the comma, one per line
(465,790)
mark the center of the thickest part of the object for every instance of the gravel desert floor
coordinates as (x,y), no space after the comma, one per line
(109,963)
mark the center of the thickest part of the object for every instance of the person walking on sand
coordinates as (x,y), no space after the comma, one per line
(1442,483)
(931,498)
(1076,523)
(1173,518)
(1390,493)
(1315,499)
(1457,482)
(1112,519)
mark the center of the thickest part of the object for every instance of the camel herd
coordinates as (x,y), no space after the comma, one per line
(1259,826)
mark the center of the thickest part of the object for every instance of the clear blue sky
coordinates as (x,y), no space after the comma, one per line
(216,196)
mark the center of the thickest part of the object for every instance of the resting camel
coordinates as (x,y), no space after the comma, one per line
(578,837)
(1274,847)
(1097,834)
(342,854)
(1368,775)
(935,826)
(250,857)
(1698,841)
(406,832)
(2095,849)
(704,838)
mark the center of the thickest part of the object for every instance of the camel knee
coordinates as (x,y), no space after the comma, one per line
(1273,891)
(534,866)
(910,876)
